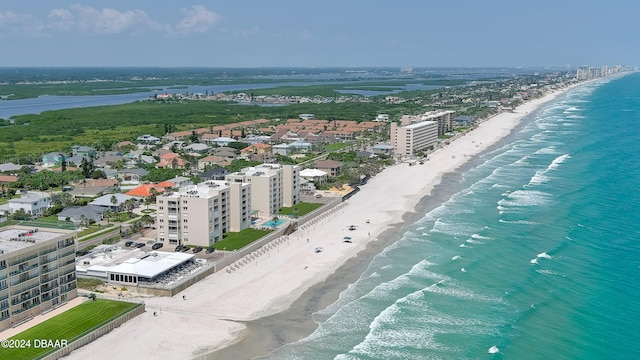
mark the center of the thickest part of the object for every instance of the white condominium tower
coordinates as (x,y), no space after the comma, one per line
(272,186)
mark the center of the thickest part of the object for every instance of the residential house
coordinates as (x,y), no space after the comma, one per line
(222,141)
(32,203)
(85,151)
(315,175)
(124,144)
(171,161)
(8,179)
(301,146)
(334,168)
(147,190)
(282,149)
(91,188)
(211,160)
(76,160)
(107,161)
(180,181)
(258,148)
(227,153)
(196,148)
(76,214)
(9,168)
(256,139)
(216,173)
(267,158)
(132,176)
(52,159)
(106,201)
(148,139)
(383,149)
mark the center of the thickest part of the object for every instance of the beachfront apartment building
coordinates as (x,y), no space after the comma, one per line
(201,214)
(444,118)
(410,139)
(37,272)
(272,187)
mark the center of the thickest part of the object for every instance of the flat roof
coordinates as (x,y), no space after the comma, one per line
(13,239)
(420,124)
(134,262)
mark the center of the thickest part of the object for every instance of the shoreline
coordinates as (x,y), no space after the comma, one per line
(226,308)
(264,336)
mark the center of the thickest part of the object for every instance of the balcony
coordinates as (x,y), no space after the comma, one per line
(23,269)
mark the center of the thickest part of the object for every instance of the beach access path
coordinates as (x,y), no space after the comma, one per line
(210,315)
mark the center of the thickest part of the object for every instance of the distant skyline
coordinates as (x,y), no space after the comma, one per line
(329,33)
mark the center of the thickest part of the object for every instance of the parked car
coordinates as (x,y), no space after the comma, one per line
(185,248)
(179,247)
(157,246)
(128,243)
(139,245)
(197,249)
(210,250)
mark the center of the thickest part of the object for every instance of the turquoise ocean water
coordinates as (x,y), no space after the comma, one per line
(535,256)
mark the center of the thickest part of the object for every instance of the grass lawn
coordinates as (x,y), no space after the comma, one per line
(124,216)
(92,229)
(238,240)
(336,146)
(69,325)
(303,208)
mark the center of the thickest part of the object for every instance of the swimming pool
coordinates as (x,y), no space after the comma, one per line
(272,223)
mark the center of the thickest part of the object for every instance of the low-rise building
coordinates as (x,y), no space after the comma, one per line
(31,203)
(332,167)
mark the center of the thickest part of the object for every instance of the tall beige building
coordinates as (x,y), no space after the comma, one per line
(411,139)
(37,272)
(272,186)
(201,214)
(442,117)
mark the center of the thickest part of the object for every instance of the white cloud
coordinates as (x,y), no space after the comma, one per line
(12,24)
(110,21)
(197,19)
(82,19)
(61,19)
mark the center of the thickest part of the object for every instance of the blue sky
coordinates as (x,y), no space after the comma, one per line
(261,33)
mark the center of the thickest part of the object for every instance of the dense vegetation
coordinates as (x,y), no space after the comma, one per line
(100,127)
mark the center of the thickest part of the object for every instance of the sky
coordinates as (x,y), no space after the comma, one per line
(320,33)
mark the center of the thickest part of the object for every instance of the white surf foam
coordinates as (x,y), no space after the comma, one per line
(544,255)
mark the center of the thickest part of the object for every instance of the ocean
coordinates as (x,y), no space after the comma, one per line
(534,256)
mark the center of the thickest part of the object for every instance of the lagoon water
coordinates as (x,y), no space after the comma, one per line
(9,108)
(535,256)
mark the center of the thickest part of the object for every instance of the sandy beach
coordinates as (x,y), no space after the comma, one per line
(213,313)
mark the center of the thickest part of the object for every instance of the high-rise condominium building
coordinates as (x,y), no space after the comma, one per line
(201,214)
(411,139)
(272,186)
(37,272)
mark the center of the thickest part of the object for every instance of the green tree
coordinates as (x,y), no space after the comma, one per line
(107,214)
(114,201)
(147,220)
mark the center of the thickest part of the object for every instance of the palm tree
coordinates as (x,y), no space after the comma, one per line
(147,220)
(114,201)
(129,205)
(107,215)
(65,199)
